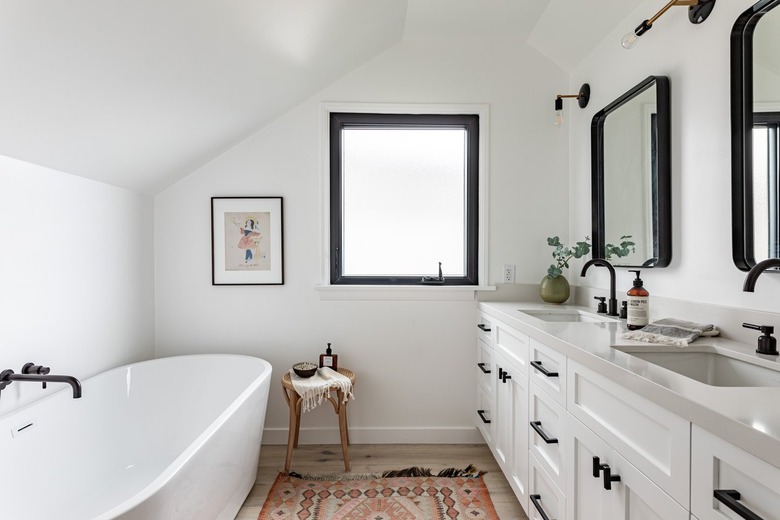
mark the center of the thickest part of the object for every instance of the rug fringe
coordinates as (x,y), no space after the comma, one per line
(469,471)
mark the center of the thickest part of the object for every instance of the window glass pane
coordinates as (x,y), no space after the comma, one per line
(403,201)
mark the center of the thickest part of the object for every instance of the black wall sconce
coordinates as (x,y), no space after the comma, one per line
(698,11)
(582,100)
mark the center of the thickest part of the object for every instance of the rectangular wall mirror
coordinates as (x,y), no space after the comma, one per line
(755,130)
(631,177)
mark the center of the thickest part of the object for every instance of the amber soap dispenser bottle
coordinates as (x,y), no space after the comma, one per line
(638,304)
(329,359)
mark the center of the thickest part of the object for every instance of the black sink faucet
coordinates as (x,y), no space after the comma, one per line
(613,306)
(41,376)
(755,272)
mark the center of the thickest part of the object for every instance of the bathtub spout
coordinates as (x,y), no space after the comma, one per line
(8,376)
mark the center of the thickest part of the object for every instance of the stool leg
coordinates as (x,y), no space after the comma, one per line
(298,404)
(343,431)
(291,434)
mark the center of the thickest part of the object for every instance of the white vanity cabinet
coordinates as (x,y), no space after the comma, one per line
(603,484)
(745,484)
(511,411)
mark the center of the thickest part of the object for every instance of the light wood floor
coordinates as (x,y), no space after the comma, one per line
(375,458)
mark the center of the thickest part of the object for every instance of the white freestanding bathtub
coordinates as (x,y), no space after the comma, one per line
(168,439)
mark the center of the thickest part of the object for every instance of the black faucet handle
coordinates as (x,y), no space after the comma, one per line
(32,368)
(602,306)
(767,344)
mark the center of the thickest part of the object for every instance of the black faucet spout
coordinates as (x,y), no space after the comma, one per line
(612,304)
(9,376)
(755,272)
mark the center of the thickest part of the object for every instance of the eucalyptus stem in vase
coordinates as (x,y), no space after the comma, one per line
(554,287)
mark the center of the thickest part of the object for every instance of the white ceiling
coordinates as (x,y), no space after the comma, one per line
(138,94)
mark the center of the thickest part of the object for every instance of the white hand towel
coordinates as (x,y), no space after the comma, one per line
(315,388)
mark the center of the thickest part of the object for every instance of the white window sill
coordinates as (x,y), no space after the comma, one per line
(401,292)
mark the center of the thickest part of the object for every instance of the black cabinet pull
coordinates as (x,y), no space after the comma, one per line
(730,497)
(505,377)
(538,366)
(482,416)
(482,367)
(537,426)
(609,478)
(596,467)
(537,501)
(484,327)
(500,373)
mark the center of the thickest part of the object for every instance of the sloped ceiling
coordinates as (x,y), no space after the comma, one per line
(140,93)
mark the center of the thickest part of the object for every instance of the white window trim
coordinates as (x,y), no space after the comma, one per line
(402,292)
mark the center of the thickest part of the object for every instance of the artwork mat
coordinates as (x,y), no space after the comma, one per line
(223,211)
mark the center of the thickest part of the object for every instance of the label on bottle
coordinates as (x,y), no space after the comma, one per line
(327,361)
(638,310)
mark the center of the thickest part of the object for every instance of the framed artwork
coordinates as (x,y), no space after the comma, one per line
(246,241)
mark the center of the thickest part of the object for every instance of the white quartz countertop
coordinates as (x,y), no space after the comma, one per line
(748,417)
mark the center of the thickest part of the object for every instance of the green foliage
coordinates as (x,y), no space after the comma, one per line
(625,248)
(562,254)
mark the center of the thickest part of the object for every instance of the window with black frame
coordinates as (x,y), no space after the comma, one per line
(404,192)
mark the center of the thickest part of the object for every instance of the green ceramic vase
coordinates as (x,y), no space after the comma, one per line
(554,289)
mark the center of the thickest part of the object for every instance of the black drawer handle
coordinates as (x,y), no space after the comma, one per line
(482,367)
(538,366)
(609,478)
(505,376)
(537,426)
(537,501)
(484,327)
(730,497)
(482,416)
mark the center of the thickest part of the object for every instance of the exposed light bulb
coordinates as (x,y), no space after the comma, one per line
(558,118)
(629,40)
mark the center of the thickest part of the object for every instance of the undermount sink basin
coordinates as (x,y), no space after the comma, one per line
(567,315)
(709,367)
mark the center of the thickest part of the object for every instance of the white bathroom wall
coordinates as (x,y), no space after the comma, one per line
(696,58)
(76,278)
(414,359)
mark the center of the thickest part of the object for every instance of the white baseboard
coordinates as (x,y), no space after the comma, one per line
(463,435)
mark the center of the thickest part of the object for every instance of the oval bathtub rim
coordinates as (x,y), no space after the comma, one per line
(159,481)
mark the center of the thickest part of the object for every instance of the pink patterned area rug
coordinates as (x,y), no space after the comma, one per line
(373,497)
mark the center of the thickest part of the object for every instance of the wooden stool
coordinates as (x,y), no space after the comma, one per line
(294,401)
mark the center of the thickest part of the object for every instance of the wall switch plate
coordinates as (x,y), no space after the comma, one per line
(509,273)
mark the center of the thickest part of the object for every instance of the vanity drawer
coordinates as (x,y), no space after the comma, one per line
(485,328)
(544,497)
(513,345)
(547,423)
(548,370)
(485,366)
(650,437)
(484,416)
(720,466)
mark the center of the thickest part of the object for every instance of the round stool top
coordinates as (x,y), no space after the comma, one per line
(287,382)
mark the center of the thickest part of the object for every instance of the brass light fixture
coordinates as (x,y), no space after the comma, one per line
(582,100)
(698,11)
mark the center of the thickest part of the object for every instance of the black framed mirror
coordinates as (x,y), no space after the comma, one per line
(631,169)
(755,134)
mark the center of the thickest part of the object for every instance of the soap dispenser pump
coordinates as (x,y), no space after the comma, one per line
(638,304)
(767,344)
(328,359)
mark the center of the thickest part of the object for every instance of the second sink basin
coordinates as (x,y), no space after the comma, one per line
(566,315)
(709,367)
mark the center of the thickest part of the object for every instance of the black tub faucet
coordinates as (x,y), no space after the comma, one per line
(612,307)
(755,272)
(39,374)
